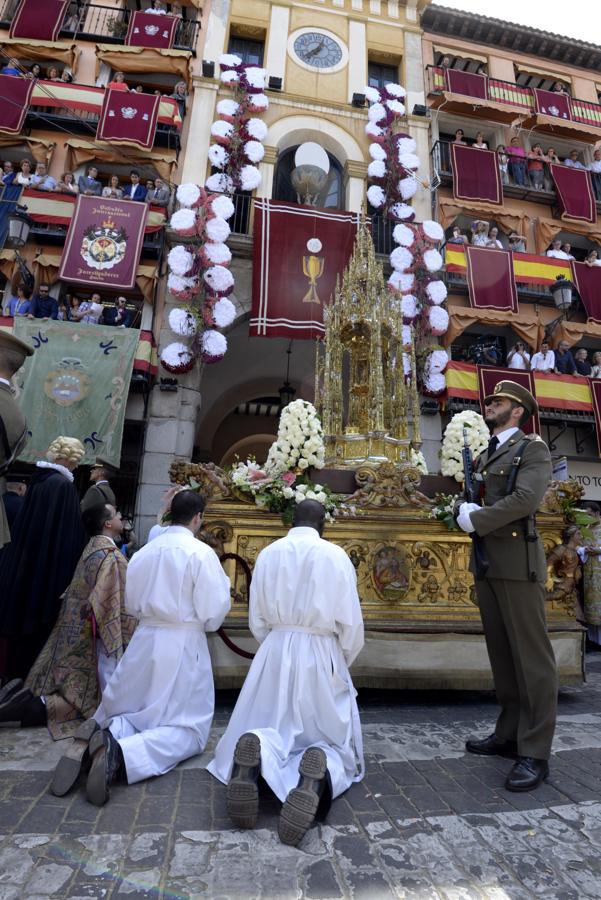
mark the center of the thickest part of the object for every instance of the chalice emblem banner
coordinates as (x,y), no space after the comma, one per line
(298,252)
(129,118)
(104,243)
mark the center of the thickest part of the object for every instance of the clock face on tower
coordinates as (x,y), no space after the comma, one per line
(318,50)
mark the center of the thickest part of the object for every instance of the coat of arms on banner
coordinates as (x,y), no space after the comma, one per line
(68,383)
(103,246)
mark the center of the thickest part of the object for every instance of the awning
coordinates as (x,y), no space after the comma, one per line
(90,99)
(145,59)
(507,220)
(80,152)
(547,229)
(40,150)
(57,209)
(463,52)
(55,51)
(46,267)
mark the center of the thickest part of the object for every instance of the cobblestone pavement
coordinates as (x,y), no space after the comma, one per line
(427,821)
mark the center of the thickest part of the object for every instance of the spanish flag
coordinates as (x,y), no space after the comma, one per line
(527,267)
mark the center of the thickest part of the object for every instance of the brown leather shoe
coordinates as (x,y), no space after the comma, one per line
(74,761)
(492,746)
(527,774)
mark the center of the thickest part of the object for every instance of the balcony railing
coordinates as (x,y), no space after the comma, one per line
(90,21)
(583,111)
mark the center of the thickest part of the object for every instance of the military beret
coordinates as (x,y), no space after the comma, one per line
(514,391)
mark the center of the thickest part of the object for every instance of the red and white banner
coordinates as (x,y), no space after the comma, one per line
(298,252)
(16,97)
(38,20)
(129,118)
(551,104)
(104,243)
(149,30)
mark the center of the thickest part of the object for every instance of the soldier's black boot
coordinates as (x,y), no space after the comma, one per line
(492,746)
(527,774)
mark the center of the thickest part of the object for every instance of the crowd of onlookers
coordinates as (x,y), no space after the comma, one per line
(42,305)
(485,235)
(561,360)
(530,168)
(155,191)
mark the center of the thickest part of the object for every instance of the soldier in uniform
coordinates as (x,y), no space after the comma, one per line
(514,473)
(13,428)
(100,492)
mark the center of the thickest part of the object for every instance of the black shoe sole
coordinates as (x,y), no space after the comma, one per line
(528,787)
(75,761)
(243,789)
(9,689)
(300,808)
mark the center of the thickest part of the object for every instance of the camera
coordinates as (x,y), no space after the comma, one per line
(486,351)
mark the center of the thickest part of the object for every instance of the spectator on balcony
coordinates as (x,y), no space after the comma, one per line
(180,95)
(567,249)
(41,180)
(493,239)
(135,190)
(118,83)
(480,143)
(25,176)
(592,258)
(157,9)
(459,135)
(536,165)
(43,306)
(66,76)
(73,303)
(446,62)
(35,71)
(565,364)
(518,357)
(64,313)
(544,360)
(458,237)
(112,189)
(21,304)
(595,169)
(88,184)
(12,68)
(552,156)
(53,74)
(583,366)
(596,367)
(555,251)
(118,315)
(517,162)
(551,159)
(573,161)
(88,311)
(503,161)
(159,194)
(480,233)
(517,242)
(67,184)
(560,88)
(8,173)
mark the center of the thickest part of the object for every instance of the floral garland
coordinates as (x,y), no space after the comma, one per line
(452,442)
(283,481)
(415,261)
(200,277)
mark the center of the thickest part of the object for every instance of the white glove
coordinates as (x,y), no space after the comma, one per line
(463,519)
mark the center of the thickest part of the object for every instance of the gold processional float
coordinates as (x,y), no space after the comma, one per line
(422,626)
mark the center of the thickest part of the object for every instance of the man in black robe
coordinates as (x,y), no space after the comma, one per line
(37,566)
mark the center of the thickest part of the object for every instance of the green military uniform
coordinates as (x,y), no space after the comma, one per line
(101,491)
(13,427)
(511,596)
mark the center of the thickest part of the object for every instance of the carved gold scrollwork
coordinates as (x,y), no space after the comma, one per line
(388,485)
(217,535)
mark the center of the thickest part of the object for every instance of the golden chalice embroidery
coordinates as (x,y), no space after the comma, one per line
(313,268)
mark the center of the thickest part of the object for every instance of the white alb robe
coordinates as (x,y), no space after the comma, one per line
(305,613)
(159,702)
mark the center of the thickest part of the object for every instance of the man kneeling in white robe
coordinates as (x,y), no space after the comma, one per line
(158,706)
(297,713)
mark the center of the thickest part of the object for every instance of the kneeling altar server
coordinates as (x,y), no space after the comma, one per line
(296,722)
(158,706)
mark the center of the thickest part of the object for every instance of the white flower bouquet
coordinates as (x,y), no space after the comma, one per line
(452,442)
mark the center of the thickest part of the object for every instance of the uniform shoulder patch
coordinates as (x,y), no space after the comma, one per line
(533,437)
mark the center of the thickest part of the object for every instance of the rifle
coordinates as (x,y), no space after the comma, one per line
(471,495)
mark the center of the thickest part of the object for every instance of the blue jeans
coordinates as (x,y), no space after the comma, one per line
(518,171)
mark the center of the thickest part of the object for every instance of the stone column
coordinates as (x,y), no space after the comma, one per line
(267,169)
(357,64)
(419,129)
(202,114)
(355,173)
(279,26)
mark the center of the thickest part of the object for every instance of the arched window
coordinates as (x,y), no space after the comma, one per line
(332,197)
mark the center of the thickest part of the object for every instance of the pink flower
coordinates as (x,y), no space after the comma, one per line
(257,475)
(289,478)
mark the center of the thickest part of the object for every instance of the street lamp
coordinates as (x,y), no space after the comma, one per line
(561,289)
(19,226)
(287,392)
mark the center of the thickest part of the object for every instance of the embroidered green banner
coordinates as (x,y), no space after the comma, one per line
(75,384)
